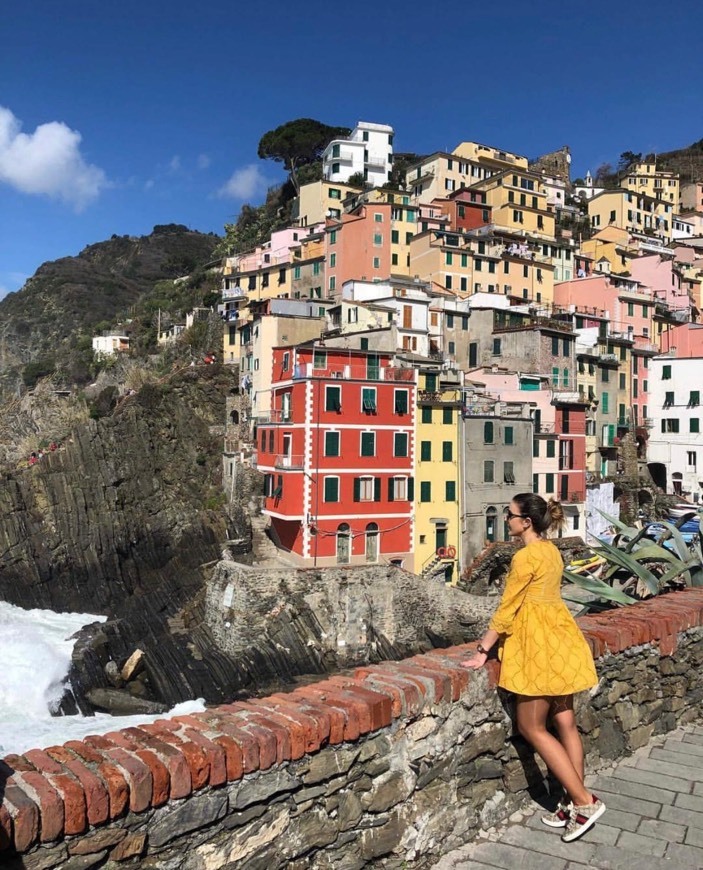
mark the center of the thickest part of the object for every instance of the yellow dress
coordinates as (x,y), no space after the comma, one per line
(543,650)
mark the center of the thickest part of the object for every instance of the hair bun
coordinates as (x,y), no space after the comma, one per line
(555,514)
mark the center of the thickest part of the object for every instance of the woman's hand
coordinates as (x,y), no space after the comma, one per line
(477,661)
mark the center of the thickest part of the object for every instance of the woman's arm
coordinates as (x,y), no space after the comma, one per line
(478,659)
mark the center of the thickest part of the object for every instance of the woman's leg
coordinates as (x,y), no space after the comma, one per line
(532,723)
(562,713)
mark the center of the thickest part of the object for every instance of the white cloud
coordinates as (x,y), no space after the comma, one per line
(47,162)
(148,184)
(244,183)
(174,163)
(203,161)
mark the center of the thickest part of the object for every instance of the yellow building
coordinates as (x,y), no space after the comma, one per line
(645,178)
(494,159)
(611,243)
(519,202)
(496,263)
(437,475)
(320,200)
(634,212)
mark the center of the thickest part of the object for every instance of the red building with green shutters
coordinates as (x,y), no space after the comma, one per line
(337,452)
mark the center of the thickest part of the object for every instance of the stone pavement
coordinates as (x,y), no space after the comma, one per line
(654,819)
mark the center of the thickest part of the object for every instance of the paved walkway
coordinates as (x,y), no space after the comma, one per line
(654,819)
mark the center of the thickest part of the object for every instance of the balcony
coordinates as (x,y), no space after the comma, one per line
(274,416)
(341,156)
(375,162)
(349,372)
(564,396)
(439,397)
(290,461)
(573,498)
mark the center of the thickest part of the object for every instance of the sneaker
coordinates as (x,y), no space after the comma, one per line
(560,817)
(583,818)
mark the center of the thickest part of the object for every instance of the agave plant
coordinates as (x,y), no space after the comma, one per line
(636,566)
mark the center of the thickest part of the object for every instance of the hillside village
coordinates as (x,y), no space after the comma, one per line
(411,356)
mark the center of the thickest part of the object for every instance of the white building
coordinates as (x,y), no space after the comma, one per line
(109,345)
(368,150)
(682,228)
(588,191)
(675,447)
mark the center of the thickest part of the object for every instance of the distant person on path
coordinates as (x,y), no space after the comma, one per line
(545,659)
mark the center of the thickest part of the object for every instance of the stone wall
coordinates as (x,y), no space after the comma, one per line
(397,763)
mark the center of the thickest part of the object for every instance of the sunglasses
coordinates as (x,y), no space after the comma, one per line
(509,515)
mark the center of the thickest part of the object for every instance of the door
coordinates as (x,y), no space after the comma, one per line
(473,355)
(343,544)
(287,441)
(372,367)
(440,537)
(372,542)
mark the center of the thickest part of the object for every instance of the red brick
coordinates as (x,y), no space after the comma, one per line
(197,764)
(138,775)
(40,790)
(379,703)
(96,795)
(387,688)
(215,754)
(85,751)
(160,778)
(329,722)
(423,684)
(266,739)
(171,758)
(609,637)
(5,828)
(73,796)
(492,668)
(459,676)
(412,696)
(234,758)
(442,684)
(623,630)
(294,730)
(304,724)
(43,762)
(668,645)
(98,742)
(350,707)
(247,743)
(25,815)
(117,787)
(19,763)
(595,643)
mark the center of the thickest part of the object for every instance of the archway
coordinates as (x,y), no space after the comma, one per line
(372,542)
(658,472)
(343,544)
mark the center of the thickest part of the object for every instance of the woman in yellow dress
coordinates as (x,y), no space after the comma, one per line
(545,658)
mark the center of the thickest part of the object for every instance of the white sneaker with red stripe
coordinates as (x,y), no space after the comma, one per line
(583,818)
(560,817)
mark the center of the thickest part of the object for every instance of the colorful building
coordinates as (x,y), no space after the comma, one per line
(338,455)
(368,151)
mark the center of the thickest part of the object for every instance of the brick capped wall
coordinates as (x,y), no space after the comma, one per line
(403,759)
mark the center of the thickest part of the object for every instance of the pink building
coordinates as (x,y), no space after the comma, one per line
(626,302)
(658,274)
(683,341)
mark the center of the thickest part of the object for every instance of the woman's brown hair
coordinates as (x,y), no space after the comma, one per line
(545,515)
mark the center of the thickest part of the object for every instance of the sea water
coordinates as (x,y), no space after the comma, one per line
(35,646)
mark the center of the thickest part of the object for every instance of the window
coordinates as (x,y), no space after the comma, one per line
(333,282)
(319,359)
(331,489)
(281,276)
(694,425)
(447,416)
(397,489)
(622,382)
(377,262)
(343,544)
(331,443)
(426,451)
(535,483)
(426,415)
(488,471)
(425,491)
(335,193)
(488,432)
(549,483)
(447,452)
(450,490)
(377,239)
(496,347)
(555,344)
(271,435)
(365,488)
(286,361)
(491,523)
(551,449)
(691,458)
(333,398)
(368,400)
(670,424)
(605,375)
(378,217)
(401,401)
(296,272)
(508,472)
(666,373)
(668,399)
(630,309)
(333,260)
(604,403)
(448,258)
(368,443)
(694,399)
(400,444)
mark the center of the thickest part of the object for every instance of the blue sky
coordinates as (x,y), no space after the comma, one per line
(116,118)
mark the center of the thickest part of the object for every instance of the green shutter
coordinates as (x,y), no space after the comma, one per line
(425,491)
(400,444)
(331,489)
(357,489)
(695,424)
(488,432)
(426,451)
(411,489)
(401,402)
(391,489)
(450,490)
(508,432)
(377,489)
(551,449)
(447,451)
(447,415)
(426,414)
(368,444)
(549,483)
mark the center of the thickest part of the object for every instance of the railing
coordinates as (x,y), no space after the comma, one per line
(648,422)
(289,461)
(274,416)
(343,156)
(573,498)
(565,395)
(375,161)
(347,372)
(623,423)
